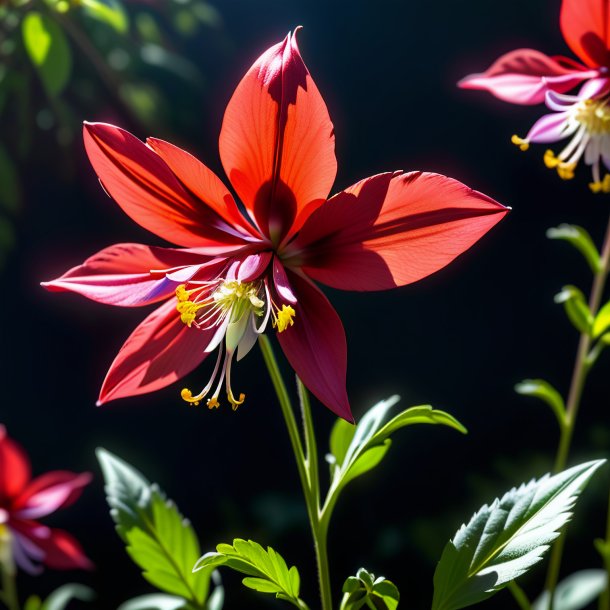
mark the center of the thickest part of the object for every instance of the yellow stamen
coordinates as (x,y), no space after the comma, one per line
(235,403)
(284,318)
(187,396)
(601,186)
(520,142)
(564,170)
(185,307)
(213,403)
(594,115)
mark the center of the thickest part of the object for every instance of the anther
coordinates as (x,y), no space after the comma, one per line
(520,142)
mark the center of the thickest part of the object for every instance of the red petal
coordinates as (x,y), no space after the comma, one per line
(524,76)
(160,351)
(391,230)
(277,144)
(585,25)
(62,551)
(49,492)
(203,182)
(120,274)
(148,191)
(14,467)
(316,349)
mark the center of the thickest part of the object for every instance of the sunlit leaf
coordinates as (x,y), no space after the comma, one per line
(364,590)
(504,540)
(60,598)
(576,308)
(581,240)
(539,388)
(266,571)
(575,592)
(602,321)
(110,12)
(48,48)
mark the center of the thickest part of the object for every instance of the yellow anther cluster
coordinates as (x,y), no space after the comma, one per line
(213,403)
(232,291)
(186,308)
(594,115)
(520,142)
(284,318)
(601,186)
(564,170)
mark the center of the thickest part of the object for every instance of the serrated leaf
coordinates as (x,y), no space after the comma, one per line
(156,601)
(158,538)
(602,321)
(576,308)
(575,592)
(504,540)
(49,51)
(110,12)
(366,590)
(581,240)
(539,388)
(60,598)
(266,570)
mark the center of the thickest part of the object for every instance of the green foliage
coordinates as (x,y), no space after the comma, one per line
(539,388)
(503,541)
(575,592)
(581,240)
(602,321)
(155,601)
(355,450)
(110,12)
(60,598)
(364,590)
(266,571)
(576,308)
(158,538)
(48,50)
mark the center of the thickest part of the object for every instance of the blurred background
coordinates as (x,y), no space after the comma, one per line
(459,340)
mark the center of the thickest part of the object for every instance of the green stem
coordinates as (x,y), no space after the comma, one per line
(9,586)
(519,595)
(307,465)
(579,377)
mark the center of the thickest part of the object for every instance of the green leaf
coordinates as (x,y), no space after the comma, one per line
(10,193)
(503,541)
(366,590)
(60,598)
(602,321)
(575,592)
(158,538)
(539,388)
(576,308)
(110,12)
(48,49)
(32,603)
(356,450)
(581,240)
(266,570)
(156,601)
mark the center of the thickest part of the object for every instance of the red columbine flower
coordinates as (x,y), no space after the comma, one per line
(24,500)
(526,76)
(236,276)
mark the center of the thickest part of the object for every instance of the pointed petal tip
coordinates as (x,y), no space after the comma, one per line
(100,403)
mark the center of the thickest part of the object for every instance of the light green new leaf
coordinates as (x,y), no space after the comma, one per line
(266,571)
(575,592)
(49,51)
(581,240)
(60,598)
(356,450)
(576,308)
(503,541)
(364,590)
(602,321)
(156,601)
(110,12)
(539,388)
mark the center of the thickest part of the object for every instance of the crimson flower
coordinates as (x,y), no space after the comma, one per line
(526,76)
(23,500)
(236,275)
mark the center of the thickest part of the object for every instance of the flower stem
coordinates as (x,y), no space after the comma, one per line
(307,465)
(579,377)
(519,595)
(9,586)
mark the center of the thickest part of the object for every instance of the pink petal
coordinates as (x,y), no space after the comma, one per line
(281,282)
(249,268)
(49,492)
(523,76)
(277,144)
(120,274)
(316,348)
(391,230)
(549,128)
(585,25)
(14,467)
(142,183)
(160,351)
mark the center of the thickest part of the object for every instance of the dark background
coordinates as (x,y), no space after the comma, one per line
(458,340)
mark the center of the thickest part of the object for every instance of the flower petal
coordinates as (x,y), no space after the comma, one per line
(585,25)
(160,351)
(523,76)
(391,230)
(49,492)
(277,144)
(14,467)
(316,348)
(551,128)
(142,183)
(120,274)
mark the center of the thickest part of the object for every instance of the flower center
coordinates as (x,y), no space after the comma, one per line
(594,115)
